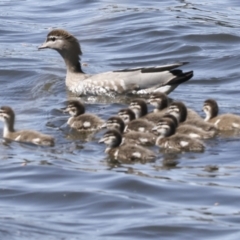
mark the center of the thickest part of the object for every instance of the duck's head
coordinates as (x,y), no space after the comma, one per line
(210,107)
(139,107)
(165,127)
(61,41)
(74,108)
(127,115)
(7,114)
(158,100)
(115,122)
(178,110)
(112,138)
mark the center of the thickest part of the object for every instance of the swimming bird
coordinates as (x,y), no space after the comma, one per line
(141,138)
(126,153)
(227,121)
(81,121)
(7,115)
(175,142)
(139,107)
(133,124)
(179,111)
(134,81)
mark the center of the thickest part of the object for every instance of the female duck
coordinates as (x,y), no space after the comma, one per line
(137,81)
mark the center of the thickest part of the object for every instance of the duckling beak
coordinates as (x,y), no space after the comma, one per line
(155,128)
(101,140)
(65,110)
(43,46)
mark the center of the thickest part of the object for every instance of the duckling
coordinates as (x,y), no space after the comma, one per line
(7,115)
(139,107)
(135,81)
(81,121)
(176,142)
(141,138)
(126,153)
(133,124)
(179,111)
(222,122)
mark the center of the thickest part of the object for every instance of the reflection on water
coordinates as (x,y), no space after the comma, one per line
(73,190)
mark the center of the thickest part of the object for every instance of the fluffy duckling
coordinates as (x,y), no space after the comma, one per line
(81,121)
(137,80)
(172,141)
(139,107)
(126,153)
(179,111)
(7,115)
(141,138)
(133,124)
(222,122)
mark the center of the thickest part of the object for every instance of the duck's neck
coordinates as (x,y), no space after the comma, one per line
(72,61)
(208,116)
(8,128)
(162,105)
(74,69)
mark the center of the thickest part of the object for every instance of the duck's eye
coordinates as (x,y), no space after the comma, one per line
(53,39)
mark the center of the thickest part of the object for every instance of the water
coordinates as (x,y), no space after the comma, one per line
(71,191)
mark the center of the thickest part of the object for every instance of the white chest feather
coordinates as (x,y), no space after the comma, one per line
(141,129)
(194,135)
(184,143)
(235,125)
(137,154)
(18,138)
(217,122)
(86,124)
(36,141)
(116,154)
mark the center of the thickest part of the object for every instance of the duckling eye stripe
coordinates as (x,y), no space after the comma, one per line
(52,38)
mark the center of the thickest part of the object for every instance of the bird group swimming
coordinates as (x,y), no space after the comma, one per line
(171,125)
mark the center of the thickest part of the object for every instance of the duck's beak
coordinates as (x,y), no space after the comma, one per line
(43,46)
(101,140)
(155,128)
(65,110)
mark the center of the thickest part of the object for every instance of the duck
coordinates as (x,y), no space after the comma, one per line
(179,111)
(139,107)
(176,142)
(7,115)
(124,81)
(139,138)
(223,122)
(81,121)
(133,124)
(125,153)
